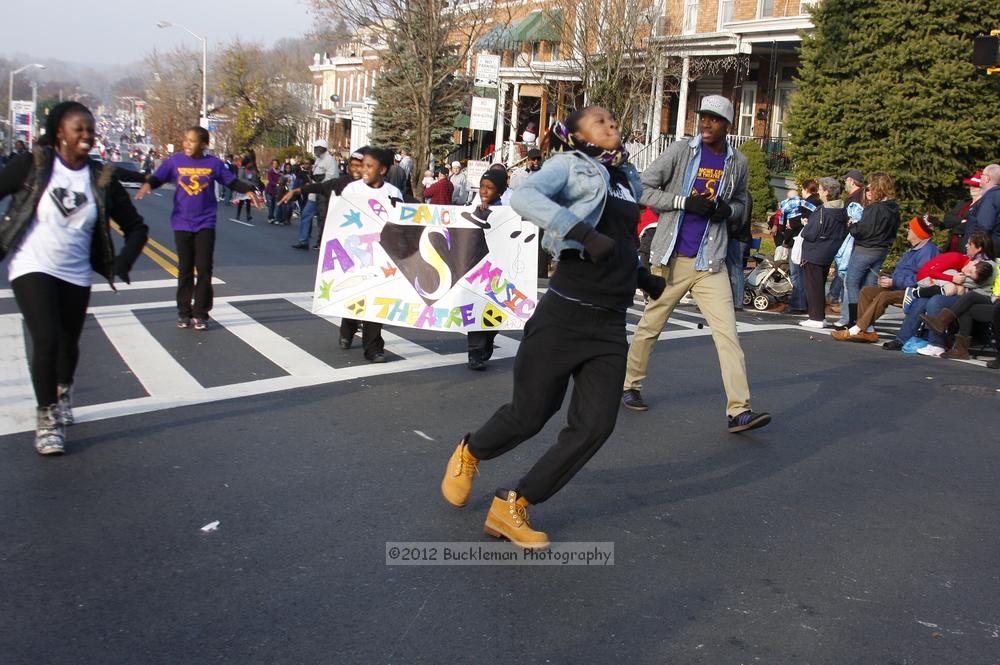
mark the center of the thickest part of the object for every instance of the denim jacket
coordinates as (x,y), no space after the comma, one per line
(570,188)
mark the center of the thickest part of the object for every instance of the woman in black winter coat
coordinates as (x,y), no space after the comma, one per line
(873,236)
(822,234)
(55,234)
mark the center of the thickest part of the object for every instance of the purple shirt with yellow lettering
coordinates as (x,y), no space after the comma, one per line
(706,182)
(195,204)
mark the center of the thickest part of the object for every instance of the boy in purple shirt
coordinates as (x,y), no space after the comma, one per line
(193,220)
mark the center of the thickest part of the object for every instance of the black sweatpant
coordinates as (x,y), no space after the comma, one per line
(562,339)
(194,250)
(371,335)
(815,282)
(54,311)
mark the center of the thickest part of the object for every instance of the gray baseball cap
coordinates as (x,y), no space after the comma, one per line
(718,106)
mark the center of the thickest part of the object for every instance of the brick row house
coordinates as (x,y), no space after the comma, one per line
(343,84)
(746,50)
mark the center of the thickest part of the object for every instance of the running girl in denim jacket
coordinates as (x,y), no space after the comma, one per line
(585,198)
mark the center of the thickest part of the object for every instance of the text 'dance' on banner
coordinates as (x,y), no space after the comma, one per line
(448,268)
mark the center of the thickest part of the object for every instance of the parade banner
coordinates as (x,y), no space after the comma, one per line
(446,268)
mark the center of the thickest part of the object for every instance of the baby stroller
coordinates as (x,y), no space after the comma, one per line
(766,284)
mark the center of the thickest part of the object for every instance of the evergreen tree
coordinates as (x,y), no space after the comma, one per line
(758,181)
(889,86)
(417,92)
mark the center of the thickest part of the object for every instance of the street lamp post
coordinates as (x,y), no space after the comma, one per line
(10,101)
(204,65)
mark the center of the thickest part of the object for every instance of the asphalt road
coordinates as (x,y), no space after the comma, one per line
(859,527)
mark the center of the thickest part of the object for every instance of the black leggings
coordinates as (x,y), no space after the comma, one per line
(561,340)
(54,312)
(194,250)
(239,208)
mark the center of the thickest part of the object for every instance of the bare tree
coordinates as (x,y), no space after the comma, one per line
(623,55)
(174,94)
(259,89)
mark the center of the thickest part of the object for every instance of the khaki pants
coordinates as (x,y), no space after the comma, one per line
(712,292)
(872,303)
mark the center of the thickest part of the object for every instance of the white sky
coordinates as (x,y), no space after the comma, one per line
(119,32)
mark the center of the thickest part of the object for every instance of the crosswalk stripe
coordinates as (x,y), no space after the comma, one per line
(104,287)
(268,343)
(169,385)
(151,364)
(16,392)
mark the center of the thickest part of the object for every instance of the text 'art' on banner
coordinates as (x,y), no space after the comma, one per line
(449,268)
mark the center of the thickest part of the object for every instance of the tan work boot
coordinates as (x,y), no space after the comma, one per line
(508,518)
(457,483)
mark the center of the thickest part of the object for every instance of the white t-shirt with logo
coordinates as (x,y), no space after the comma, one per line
(386,190)
(59,238)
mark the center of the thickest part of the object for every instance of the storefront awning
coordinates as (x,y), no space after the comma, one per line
(497,39)
(538,26)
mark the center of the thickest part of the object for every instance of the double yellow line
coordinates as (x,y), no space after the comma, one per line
(166,259)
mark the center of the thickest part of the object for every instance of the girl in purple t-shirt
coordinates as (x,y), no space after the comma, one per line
(193,220)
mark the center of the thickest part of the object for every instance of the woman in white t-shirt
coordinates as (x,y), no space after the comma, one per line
(57,234)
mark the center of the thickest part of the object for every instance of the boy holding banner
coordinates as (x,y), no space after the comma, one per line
(375,163)
(491,188)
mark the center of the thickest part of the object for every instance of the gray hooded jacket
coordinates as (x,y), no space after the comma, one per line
(669,179)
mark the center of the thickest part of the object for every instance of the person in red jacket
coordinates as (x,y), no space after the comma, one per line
(439,193)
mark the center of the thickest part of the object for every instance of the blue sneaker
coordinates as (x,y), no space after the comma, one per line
(748,420)
(909,295)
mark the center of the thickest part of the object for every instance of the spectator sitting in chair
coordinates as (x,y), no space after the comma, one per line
(977,305)
(873,301)
(979,247)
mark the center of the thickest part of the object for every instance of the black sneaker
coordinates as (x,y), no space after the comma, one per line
(345,343)
(632,399)
(748,420)
(300,245)
(183,322)
(893,345)
(378,358)
(477,364)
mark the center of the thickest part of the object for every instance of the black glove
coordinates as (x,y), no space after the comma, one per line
(598,246)
(722,212)
(699,205)
(650,283)
(122,268)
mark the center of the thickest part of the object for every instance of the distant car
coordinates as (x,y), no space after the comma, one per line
(131,167)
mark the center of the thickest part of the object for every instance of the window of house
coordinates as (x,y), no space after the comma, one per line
(781,100)
(690,17)
(805,6)
(765,8)
(536,51)
(726,10)
(748,105)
